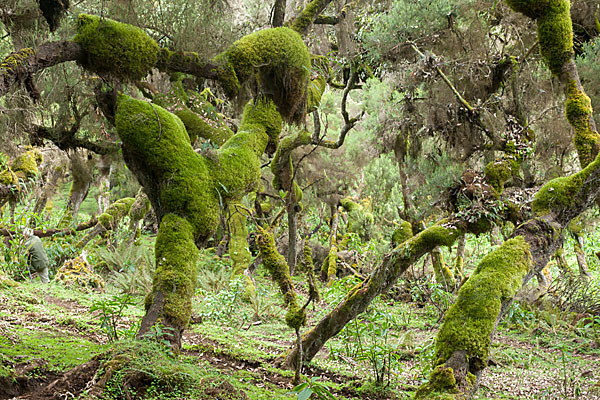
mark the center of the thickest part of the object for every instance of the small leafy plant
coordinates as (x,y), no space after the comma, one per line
(111,312)
(312,386)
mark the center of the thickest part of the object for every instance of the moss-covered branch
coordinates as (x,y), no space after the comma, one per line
(280,272)
(307,16)
(381,280)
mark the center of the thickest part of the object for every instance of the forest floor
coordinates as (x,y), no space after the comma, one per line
(231,345)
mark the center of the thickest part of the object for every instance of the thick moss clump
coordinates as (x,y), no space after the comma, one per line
(115,212)
(279,270)
(499,171)
(197,113)
(159,142)
(307,16)
(8,177)
(239,158)
(25,166)
(469,323)
(555,30)
(279,62)
(175,277)
(114,48)
(402,233)
(559,193)
(441,385)
(578,110)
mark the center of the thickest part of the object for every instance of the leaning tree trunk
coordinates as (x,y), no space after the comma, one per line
(462,345)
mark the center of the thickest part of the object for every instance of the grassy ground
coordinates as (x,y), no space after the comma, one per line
(231,346)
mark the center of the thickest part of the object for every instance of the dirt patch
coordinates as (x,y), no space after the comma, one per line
(68,385)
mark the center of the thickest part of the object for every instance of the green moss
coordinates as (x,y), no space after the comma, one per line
(196,112)
(8,177)
(402,233)
(114,48)
(443,275)
(160,142)
(279,271)
(196,126)
(278,60)
(239,158)
(349,205)
(578,110)
(140,206)
(15,60)
(559,193)
(436,235)
(307,16)
(238,242)
(441,383)
(499,171)
(555,30)
(469,323)
(115,212)
(175,277)
(555,34)
(26,164)
(332,264)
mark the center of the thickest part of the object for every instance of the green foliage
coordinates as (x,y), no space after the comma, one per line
(373,339)
(222,306)
(405,20)
(131,267)
(312,386)
(110,315)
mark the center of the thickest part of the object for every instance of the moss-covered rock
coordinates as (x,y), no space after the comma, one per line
(78,272)
(279,62)
(114,48)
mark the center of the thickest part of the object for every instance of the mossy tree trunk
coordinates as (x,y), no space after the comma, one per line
(462,348)
(81,168)
(460,258)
